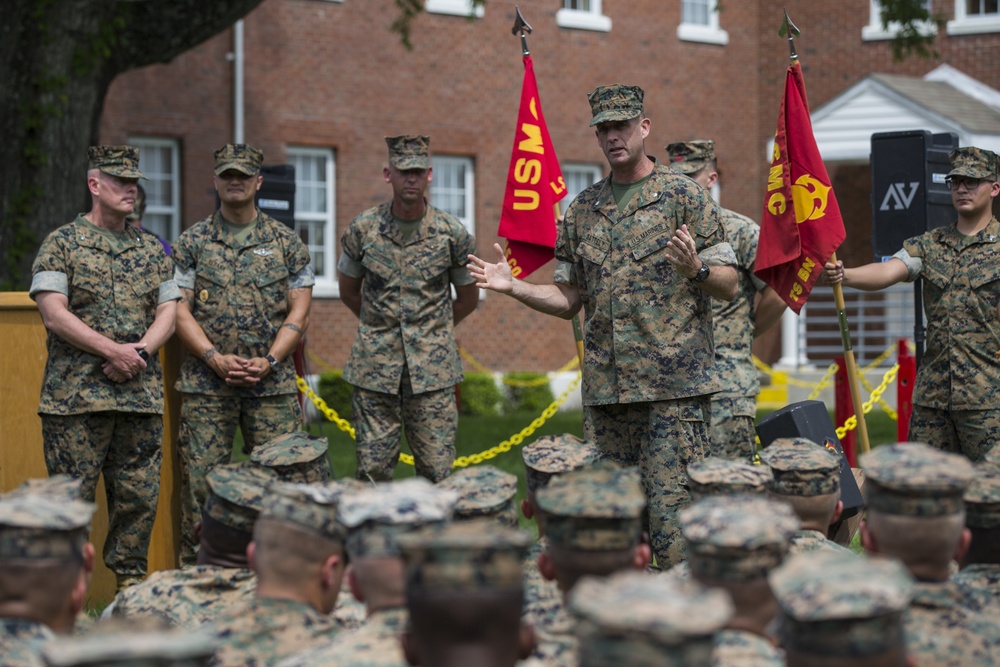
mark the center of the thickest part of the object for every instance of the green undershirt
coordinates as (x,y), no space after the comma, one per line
(624,192)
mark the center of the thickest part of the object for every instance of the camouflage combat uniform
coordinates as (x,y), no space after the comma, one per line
(542,598)
(945,627)
(404,361)
(814,540)
(649,355)
(89,423)
(240,302)
(374,645)
(189,598)
(740,648)
(21,642)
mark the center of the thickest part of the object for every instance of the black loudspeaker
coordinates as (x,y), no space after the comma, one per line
(276,196)
(909,195)
(810,419)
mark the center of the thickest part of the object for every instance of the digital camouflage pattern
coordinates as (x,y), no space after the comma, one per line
(406,313)
(731,431)
(430,419)
(598,508)
(632,618)
(615,102)
(310,507)
(914,479)
(208,426)
(552,455)
(463,556)
(295,457)
(188,598)
(980,579)
(737,538)
(714,476)
(242,157)
(35,525)
(542,598)
(22,641)
(947,626)
(268,630)
(690,157)
(556,643)
(127,448)
(974,163)
(122,161)
(240,297)
(115,294)
(741,648)
(409,151)
(377,644)
(661,438)
(484,491)
(130,647)
(800,467)
(982,498)
(813,540)
(236,494)
(959,375)
(349,613)
(832,605)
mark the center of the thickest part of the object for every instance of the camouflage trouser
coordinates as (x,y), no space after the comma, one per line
(127,447)
(430,420)
(969,432)
(731,433)
(208,427)
(661,438)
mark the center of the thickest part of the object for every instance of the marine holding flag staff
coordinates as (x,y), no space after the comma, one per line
(642,252)
(956,404)
(399,262)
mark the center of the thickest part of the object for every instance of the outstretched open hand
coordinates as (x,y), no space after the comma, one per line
(496,277)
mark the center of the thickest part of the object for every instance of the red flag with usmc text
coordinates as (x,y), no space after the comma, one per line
(801,226)
(534,184)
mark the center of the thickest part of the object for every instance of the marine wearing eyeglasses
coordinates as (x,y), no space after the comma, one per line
(958,384)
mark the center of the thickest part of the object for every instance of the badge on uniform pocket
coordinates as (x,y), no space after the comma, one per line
(203,295)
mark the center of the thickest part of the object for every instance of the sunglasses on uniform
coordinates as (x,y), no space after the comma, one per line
(970,184)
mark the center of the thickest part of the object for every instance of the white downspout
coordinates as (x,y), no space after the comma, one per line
(238,120)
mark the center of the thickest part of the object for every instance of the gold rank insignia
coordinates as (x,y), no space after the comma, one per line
(203,295)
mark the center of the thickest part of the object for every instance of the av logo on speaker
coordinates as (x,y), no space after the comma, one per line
(897,197)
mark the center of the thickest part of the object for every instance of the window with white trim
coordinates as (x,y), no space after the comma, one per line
(975,16)
(578,178)
(314,211)
(453,7)
(700,22)
(583,15)
(159,161)
(874,30)
(453,188)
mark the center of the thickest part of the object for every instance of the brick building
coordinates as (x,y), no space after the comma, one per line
(323,81)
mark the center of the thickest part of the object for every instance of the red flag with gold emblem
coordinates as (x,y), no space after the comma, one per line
(534,184)
(801,226)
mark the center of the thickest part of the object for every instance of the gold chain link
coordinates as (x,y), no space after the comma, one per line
(824,381)
(851,422)
(462,461)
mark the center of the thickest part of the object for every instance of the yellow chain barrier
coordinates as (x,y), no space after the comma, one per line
(831,371)
(510,382)
(852,422)
(461,461)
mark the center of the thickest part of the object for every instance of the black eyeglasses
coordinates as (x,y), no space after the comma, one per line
(956,182)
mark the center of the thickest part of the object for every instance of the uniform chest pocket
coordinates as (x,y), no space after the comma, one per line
(90,284)
(650,246)
(987,271)
(216,275)
(378,265)
(935,276)
(593,253)
(144,283)
(434,261)
(268,276)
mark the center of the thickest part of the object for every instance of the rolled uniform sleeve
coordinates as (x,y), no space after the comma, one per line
(565,274)
(463,246)
(305,277)
(914,265)
(720,254)
(49,281)
(184,278)
(350,267)
(169,291)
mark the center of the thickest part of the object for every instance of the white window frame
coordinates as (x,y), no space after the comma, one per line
(965,24)
(874,31)
(706,34)
(594,170)
(326,279)
(453,8)
(173,210)
(439,163)
(584,19)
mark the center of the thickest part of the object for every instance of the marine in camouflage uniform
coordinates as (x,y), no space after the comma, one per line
(734,323)
(399,263)
(222,580)
(43,573)
(484,492)
(247,284)
(375,517)
(120,644)
(916,514)
(632,619)
(837,610)
(981,563)
(958,383)
(807,476)
(106,295)
(733,542)
(642,252)
(299,559)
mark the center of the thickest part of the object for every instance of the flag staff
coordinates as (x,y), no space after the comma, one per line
(789,30)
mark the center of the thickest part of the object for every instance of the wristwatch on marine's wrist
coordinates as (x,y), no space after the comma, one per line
(271,360)
(144,355)
(702,274)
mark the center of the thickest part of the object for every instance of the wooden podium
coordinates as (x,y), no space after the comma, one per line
(21,458)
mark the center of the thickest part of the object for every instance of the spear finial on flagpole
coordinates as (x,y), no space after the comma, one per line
(523,28)
(788,29)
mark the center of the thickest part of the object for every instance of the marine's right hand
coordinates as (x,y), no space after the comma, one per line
(496,277)
(833,272)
